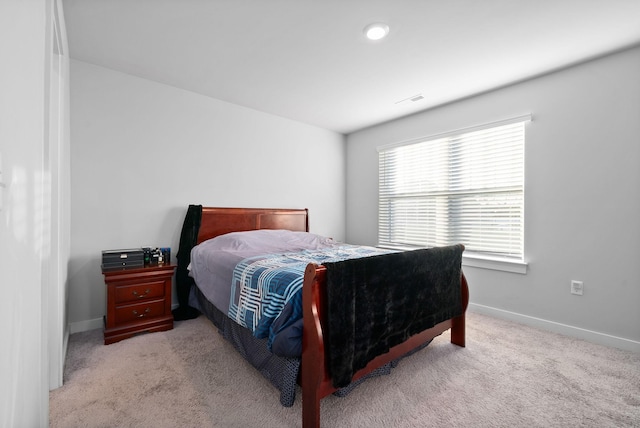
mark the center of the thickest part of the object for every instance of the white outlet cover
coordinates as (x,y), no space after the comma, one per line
(577,287)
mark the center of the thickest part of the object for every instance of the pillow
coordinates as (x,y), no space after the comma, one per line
(268,241)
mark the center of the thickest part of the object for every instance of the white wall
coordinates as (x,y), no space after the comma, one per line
(141,152)
(31,268)
(582,201)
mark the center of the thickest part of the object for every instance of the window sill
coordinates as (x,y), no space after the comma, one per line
(503,265)
(479,261)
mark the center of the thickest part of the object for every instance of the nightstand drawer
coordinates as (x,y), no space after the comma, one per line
(131,293)
(141,311)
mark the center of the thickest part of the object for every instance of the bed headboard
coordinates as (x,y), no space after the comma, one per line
(218,221)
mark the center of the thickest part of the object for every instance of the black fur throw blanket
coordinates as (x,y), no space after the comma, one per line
(188,239)
(375,303)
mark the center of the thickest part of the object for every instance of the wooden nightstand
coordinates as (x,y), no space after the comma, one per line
(138,301)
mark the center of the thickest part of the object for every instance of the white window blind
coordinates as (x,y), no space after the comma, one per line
(466,187)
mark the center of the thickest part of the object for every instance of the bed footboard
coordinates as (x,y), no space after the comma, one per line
(314,371)
(315,378)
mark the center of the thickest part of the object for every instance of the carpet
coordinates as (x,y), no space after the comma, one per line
(509,375)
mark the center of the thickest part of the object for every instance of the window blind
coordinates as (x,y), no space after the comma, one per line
(465,187)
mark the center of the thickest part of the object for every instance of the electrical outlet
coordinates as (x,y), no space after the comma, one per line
(577,287)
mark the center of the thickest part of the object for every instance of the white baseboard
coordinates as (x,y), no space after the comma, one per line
(80,326)
(65,346)
(567,330)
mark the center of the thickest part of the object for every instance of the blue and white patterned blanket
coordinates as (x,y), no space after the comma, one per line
(263,285)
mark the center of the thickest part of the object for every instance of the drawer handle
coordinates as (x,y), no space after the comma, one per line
(140,296)
(146,312)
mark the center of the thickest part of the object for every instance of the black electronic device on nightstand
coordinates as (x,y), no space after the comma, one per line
(122,259)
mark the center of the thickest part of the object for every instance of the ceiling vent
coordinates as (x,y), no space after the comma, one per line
(411,99)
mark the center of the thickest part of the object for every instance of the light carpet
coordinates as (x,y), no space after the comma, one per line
(509,375)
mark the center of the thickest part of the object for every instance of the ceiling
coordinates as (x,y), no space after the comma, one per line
(309,61)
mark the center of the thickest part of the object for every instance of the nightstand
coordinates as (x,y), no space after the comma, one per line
(138,301)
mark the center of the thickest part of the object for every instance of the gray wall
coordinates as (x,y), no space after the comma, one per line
(141,152)
(582,204)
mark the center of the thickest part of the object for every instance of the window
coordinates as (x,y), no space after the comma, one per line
(465,187)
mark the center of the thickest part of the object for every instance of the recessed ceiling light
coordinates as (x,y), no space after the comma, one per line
(376,31)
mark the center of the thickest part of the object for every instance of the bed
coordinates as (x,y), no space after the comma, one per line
(344,337)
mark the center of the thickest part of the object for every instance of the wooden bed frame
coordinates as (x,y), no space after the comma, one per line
(314,378)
